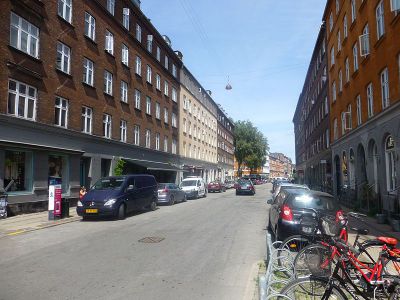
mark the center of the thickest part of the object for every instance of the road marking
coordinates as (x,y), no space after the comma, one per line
(16,232)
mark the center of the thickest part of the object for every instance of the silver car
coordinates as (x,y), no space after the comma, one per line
(170,193)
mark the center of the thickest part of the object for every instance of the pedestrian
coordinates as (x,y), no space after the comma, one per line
(82,192)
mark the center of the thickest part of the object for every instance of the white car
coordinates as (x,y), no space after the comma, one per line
(194,187)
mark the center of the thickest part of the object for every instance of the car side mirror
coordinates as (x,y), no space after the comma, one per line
(269,201)
(131,187)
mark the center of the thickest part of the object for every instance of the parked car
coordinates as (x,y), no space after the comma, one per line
(170,193)
(117,195)
(229,184)
(277,183)
(194,187)
(245,187)
(288,186)
(292,205)
(216,186)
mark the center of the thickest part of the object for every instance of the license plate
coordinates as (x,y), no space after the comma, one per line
(92,211)
(307,229)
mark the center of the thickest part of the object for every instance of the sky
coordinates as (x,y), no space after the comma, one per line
(263,46)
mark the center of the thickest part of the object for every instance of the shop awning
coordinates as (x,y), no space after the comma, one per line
(153,165)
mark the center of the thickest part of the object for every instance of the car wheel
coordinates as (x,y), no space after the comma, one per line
(171,200)
(205,194)
(153,205)
(121,212)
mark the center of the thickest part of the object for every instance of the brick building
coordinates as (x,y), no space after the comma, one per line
(225,129)
(364,91)
(311,123)
(84,84)
(280,165)
(198,130)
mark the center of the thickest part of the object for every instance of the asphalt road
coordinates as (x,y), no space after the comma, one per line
(211,248)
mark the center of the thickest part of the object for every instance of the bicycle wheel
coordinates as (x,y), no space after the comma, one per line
(369,256)
(314,260)
(311,288)
(291,245)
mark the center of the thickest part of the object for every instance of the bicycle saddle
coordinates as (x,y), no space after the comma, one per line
(388,240)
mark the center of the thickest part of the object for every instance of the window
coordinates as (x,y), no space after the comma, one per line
(165,144)
(327,138)
(330,22)
(125,17)
(174,71)
(21,100)
(107,126)
(353,11)
(63,58)
(90,26)
(136,135)
(335,130)
(24,36)
(137,99)
(158,82)
(165,115)
(380,22)
(158,53)
(184,126)
(364,41)
(340,81)
(138,33)
(174,95)
(148,105)
(149,43)
(339,42)
(349,113)
(61,112)
(355,57)
(18,167)
(158,111)
(109,46)
(359,111)
(148,138)
(65,9)
(122,131)
(174,120)
(124,91)
(370,100)
(166,62)
(343,118)
(138,69)
(111,6)
(86,120)
(326,106)
(149,74)
(347,66)
(332,56)
(125,54)
(108,81)
(334,91)
(88,72)
(345,30)
(173,146)
(157,141)
(166,92)
(337,6)
(390,156)
(385,88)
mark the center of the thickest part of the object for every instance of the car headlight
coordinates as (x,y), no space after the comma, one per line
(110,202)
(79,204)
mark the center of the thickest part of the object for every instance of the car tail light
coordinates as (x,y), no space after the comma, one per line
(164,191)
(286,213)
(339,216)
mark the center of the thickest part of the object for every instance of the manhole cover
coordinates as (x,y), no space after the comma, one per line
(151,239)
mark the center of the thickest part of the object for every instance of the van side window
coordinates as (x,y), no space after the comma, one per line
(139,182)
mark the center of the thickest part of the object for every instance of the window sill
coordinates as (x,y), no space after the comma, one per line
(148,114)
(347,84)
(90,40)
(65,22)
(380,41)
(344,41)
(125,66)
(338,53)
(124,102)
(353,24)
(365,59)
(149,83)
(37,59)
(395,20)
(138,75)
(362,5)
(63,73)
(355,74)
(138,109)
(108,95)
(109,53)
(88,85)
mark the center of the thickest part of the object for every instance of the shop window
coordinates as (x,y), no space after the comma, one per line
(105,167)
(58,167)
(18,167)
(390,155)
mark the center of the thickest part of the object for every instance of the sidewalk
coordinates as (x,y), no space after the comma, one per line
(31,222)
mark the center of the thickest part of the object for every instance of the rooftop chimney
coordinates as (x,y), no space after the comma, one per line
(179,54)
(136,2)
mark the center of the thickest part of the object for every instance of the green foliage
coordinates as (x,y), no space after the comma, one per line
(251,145)
(119,167)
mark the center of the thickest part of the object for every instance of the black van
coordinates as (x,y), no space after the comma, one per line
(116,195)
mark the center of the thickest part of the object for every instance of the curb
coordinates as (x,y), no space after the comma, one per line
(39,227)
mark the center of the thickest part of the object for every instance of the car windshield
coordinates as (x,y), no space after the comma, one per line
(314,201)
(189,183)
(108,183)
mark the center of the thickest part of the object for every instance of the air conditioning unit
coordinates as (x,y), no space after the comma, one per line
(395,5)
(364,45)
